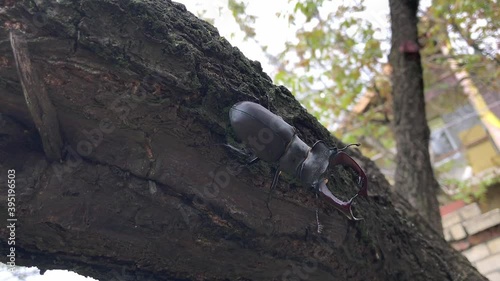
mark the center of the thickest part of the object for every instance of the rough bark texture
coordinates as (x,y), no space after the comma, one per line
(414,177)
(141,89)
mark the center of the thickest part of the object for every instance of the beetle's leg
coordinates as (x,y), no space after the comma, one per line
(344,207)
(251,159)
(240,151)
(318,224)
(273,185)
(235,149)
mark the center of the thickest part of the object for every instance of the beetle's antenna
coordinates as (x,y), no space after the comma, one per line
(345,147)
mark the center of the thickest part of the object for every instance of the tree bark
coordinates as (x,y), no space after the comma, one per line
(414,177)
(142,90)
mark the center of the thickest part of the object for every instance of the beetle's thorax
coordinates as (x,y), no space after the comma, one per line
(315,165)
(295,154)
(305,163)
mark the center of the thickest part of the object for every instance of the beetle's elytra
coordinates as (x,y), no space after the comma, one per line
(273,140)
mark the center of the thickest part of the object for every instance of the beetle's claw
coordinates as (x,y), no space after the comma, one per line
(351,214)
(344,207)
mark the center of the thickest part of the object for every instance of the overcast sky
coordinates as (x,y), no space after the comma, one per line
(270,30)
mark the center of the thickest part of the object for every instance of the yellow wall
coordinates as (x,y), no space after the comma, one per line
(479,150)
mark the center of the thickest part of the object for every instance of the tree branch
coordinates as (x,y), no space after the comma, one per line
(42,111)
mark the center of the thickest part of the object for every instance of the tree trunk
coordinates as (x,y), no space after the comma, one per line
(414,177)
(142,90)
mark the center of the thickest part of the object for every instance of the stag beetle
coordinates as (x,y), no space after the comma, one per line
(273,140)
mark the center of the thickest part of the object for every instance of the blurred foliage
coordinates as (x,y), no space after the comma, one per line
(243,20)
(471,190)
(472,28)
(337,67)
(334,59)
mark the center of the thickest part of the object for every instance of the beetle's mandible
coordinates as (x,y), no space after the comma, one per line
(273,140)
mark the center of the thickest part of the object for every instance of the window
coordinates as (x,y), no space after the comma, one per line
(441,144)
